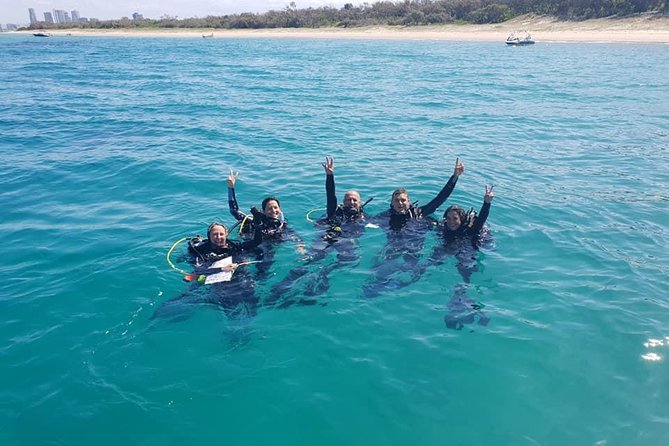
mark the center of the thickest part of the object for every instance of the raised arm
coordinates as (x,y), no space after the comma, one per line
(328,165)
(232,199)
(485,211)
(445,191)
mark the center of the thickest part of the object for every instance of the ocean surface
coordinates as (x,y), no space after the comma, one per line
(112,149)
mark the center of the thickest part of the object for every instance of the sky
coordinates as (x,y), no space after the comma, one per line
(16,11)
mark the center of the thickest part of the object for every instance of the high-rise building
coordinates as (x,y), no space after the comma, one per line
(33,17)
(75,16)
(67,17)
(48,18)
(59,15)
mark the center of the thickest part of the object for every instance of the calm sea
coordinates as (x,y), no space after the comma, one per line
(113,148)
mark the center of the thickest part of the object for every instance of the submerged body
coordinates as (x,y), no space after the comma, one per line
(461,235)
(406,226)
(275,228)
(343,225)
(235,297)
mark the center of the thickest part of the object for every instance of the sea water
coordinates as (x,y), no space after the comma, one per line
(112,149)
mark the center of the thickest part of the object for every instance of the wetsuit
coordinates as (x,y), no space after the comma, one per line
(273,231)
(397,265)
(205,252)
(344,225)
(463,244)
(236,298)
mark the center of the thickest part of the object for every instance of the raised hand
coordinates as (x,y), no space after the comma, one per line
(328,165)
(232,178)
(489,194)
(459,167)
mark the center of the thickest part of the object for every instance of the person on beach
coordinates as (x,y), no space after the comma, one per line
(406,225)
(235,297)
(344,223)
(275,228)
(462,234)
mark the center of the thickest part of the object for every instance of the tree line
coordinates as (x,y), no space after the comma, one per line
(396,13)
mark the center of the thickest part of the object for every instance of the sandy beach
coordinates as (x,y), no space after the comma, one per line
(641,29)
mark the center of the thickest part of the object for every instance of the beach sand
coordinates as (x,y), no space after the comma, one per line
(639,29)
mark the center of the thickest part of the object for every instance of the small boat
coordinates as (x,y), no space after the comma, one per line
(207,36)
(516,39)
(42,34)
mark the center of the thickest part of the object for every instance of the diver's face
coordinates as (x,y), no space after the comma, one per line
(453,221)
(352,200)
(272,210)
(218,236)
(400,203)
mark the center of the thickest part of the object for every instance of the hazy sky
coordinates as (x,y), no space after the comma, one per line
(16,11)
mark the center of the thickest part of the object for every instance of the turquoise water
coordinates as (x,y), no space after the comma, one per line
(111,149)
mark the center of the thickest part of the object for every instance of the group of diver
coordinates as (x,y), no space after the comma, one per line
(399,264)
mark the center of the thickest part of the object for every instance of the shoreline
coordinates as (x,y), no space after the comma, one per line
(641,29)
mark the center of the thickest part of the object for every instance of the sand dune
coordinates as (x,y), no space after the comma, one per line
(640,29)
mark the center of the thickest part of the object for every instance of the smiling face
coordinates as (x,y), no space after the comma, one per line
(218,235)
(400,202)
(453,220)
(272,209)
(352,199)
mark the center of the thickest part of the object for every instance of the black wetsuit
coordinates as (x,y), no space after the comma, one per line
(463,244)
(344,226)
(236,298)
(397,265)
(273,231)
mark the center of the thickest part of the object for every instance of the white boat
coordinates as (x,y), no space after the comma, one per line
(42,34)
(518,39)
(207,36)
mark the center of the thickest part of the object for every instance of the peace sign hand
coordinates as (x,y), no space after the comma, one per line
(459,167)
(232,178)
(328,165)
(489,194)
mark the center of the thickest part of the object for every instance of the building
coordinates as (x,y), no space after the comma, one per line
(12,27)
(48,18)
(75,16)
(59,16)
(33,17)
(67,17)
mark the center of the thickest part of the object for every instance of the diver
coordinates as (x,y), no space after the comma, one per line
(462,234)
(402,210)
(217,245)
(275,228)
(343,224)
(462,225)
(406,224)
(235,297)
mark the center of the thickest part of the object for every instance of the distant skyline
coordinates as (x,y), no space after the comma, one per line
(16,11)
